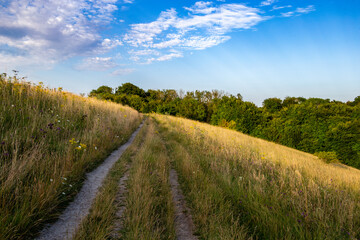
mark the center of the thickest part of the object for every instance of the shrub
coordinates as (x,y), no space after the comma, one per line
(328,157)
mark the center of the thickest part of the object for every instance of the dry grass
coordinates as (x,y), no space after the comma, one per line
(149,208)
(99,224)
(48,140)
(274,192)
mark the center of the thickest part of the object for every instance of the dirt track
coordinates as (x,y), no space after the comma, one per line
(69,221)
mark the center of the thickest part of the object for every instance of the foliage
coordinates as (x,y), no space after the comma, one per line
(238,186)
(328,157)
(311,125)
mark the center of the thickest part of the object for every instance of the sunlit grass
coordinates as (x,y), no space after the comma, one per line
(48,140)
(149,210)
(274,192)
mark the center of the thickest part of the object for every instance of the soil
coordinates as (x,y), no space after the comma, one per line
(184,226)
(69,221)
(120,202)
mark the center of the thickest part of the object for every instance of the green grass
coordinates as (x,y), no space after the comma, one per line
(49,139)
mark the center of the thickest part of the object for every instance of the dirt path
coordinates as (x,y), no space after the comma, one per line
(120,201)
(67,224)
(184,225)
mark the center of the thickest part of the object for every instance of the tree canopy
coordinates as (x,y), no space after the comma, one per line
(312,125)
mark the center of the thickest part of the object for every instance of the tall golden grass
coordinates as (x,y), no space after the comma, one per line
(149,210)
(48,140)
(259,188)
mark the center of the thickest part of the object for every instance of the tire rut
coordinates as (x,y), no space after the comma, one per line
(121,202)
(184,226)
(69,221)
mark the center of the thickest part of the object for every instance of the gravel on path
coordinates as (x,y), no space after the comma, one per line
(184,226)
(69,221)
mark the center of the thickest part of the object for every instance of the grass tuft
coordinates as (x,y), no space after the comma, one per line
(49,139)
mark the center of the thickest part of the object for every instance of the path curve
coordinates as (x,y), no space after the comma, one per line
(69,221)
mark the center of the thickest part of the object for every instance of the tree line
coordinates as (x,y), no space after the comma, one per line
(327,128)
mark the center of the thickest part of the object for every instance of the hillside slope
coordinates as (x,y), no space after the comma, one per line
(233,186)
(273,191)
(49,139)
(236,187)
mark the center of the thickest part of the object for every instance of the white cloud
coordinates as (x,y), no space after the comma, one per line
(308,9)
(201,8)
(206,26)
(280,7)
(142,34)
(299,11)
(55,30)
(122,71)
(200,43)
(267,2)
(170,56)
(144,52)
(97,64)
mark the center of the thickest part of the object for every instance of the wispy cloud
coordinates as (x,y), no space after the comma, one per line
(201,8)
(267,2)
(299,11)
(207,25)
(97,64)
(122,71)
(45,32)
(280,7)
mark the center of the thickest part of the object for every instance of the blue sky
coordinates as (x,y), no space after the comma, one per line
(261,49)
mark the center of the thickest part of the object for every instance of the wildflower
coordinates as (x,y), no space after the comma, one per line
(3,143)
(70,185)
(95,148)
(65,178)
(12,105)
(72,141)
(51,180)
(51,125)
(240,178)
(58,120)
(63,193)
(125,116)
(82,145)
(116,136)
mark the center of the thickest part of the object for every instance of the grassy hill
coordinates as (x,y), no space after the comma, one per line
(49,139)
(235,186)
(236,183)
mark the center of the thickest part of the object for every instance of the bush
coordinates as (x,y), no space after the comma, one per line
(328,157)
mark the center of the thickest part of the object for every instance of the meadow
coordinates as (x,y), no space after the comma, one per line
(242,187)
(235,186)
(49,139)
